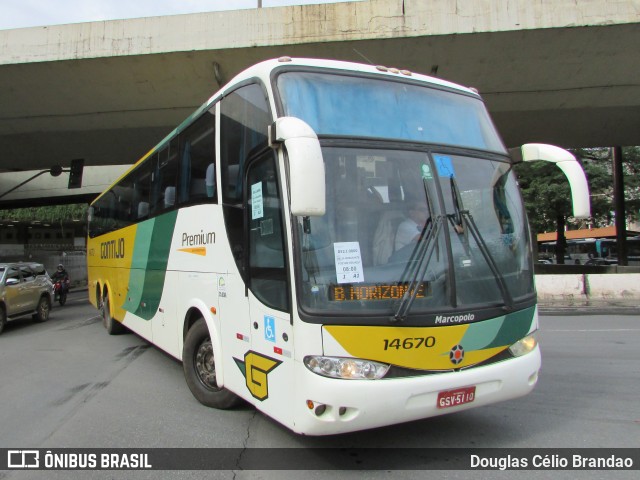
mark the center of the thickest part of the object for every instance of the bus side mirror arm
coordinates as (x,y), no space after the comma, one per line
(532,152)
(307,194)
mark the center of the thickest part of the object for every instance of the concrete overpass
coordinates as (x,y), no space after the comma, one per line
(556,71)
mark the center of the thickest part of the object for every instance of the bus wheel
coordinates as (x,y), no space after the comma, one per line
(200,371)
(42,312)
(113,326)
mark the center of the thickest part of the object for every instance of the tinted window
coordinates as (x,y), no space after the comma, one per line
(27,274)
(182,173)
(165,179)
(266,240)
(366,107)
(197,179)
(12,273)
(244,121)
(141,187)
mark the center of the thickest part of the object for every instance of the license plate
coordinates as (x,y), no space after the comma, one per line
(459,396)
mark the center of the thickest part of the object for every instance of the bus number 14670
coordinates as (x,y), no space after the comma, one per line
(409,343)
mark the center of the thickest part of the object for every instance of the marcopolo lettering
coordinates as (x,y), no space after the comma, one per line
(197,239)
(112,249)
(444,319)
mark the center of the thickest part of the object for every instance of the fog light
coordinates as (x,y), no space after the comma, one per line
(320,409)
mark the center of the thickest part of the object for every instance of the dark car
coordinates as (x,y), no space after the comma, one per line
(25,289)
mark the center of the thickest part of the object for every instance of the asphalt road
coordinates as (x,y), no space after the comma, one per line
(66,383)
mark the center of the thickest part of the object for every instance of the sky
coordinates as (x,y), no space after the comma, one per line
(33,13)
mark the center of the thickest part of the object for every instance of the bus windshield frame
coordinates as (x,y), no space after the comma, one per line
(476,253)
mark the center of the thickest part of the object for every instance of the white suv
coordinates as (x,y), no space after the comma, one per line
(25,289)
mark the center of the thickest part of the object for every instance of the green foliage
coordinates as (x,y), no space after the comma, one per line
(546,194)
(631,170)
(56,214)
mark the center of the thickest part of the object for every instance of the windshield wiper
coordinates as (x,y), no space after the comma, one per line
(461,219)
(417,266)
(419,260)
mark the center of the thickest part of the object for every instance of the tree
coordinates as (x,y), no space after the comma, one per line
(547,194)
(55,214)
(602,188)
(631,171)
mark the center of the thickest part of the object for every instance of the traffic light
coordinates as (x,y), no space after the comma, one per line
(75,174)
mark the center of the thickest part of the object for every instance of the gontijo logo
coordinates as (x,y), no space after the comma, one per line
(112,249)
(256,368)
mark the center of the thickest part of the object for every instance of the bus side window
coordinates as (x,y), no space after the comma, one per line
(197,161)
(244,120)
(141,190)
(123,202)
(244,117)
(267,266)
(165,179)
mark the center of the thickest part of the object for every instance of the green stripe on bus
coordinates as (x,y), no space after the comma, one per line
(498,332)
(149,265)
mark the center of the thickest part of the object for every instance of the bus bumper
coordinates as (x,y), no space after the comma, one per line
(325,406)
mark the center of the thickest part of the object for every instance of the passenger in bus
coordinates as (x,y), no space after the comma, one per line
(397,233)
(410,229)
(384,238)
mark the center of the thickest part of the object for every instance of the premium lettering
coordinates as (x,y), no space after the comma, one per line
(197,239)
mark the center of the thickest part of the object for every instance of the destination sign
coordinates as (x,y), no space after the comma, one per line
(367,292)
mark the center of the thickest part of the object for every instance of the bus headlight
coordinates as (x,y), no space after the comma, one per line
(524,345)
(346,368)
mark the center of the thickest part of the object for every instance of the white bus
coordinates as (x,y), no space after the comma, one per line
(342,246)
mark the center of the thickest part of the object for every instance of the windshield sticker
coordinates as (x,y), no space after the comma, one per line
(444,165)
(257,205)
(426,172)
(348,262)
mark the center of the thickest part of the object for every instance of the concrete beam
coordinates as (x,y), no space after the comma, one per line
(293,25)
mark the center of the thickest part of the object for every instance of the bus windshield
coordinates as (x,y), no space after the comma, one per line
(443,224)
(365,107)
(454,221)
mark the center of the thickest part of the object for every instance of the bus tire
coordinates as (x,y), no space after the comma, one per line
(43,309)
(200,371)
(112,326)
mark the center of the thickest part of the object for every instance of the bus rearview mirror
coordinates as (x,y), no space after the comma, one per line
(532,152)
(306,166)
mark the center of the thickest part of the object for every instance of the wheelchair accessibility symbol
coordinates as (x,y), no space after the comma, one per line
(270,329)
